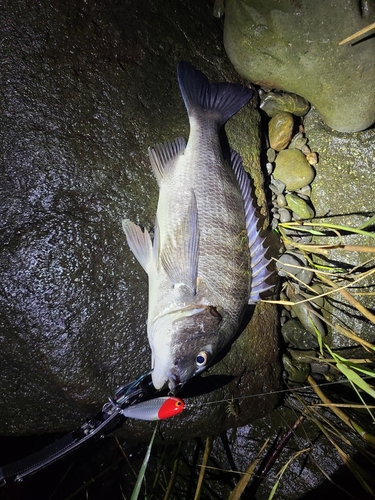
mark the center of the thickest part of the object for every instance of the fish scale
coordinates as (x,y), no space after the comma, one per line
(207,260)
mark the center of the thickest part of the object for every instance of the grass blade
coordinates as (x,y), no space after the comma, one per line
(143,468)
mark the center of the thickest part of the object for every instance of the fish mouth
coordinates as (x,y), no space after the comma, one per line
(174,382)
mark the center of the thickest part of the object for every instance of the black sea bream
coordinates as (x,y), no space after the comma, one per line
(206,261)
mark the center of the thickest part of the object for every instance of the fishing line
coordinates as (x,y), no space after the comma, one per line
(281,391)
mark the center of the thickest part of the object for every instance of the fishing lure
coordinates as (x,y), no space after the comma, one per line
(155,409)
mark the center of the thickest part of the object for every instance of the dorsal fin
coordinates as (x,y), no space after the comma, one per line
(223,98)
(163,155)
(258,261)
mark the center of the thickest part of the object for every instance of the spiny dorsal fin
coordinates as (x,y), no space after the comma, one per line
(163,155)
(223,98)
(258,261)
(179,255)
(139,242)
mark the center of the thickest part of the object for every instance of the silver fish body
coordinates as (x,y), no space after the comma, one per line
(206,261)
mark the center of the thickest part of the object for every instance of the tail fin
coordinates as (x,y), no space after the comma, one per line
(224,98)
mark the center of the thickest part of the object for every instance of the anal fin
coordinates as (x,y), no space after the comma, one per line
(139,242)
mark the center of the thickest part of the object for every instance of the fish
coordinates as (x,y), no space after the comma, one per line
(206,261)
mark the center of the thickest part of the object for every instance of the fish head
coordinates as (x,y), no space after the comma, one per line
(186,346)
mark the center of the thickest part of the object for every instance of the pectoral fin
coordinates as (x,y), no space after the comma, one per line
(139,242)
(179,255)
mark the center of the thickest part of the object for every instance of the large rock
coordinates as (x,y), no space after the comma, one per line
(343,194)
(86,89)
(294,46)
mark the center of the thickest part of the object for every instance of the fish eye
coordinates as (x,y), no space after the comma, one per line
(201,358)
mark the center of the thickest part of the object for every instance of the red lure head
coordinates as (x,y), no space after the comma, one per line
(172,406)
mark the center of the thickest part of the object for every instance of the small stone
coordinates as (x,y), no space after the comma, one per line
(294,333)
(280,130)
(269,168)
(318,302)
(304,240)
(312,158)
(296,372)
(284,312)
(298,141)
(306,190)
(302,356)
(285,215)
(288,264)
(279,186)
(305,313)
(293,169)
(305,276)
(273,104)
(274,190)
(219,8)
(299,206)
(305,149)
(303,197)
(281,201)
(271,155)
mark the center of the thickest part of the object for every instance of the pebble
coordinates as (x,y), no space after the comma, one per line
(269,168)
(275,191)
(280,129)
(293,169)
(302,356)
(295,371)
(293,263)
(275,103)
(219,8)
(319,301)
(277,186)
(304,197)
(280,200)
(305,239)
(312,158)
(299,206)
(285,263)
(271,155)
(294,333)
(306,190)
(308,357)
(285,215)
(298,141)
(294,232)
(305,276)
(305,313)
(305,149)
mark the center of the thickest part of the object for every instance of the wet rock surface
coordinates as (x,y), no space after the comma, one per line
(87,88)
(294,46)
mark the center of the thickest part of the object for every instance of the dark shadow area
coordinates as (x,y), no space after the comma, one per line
(343,484)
